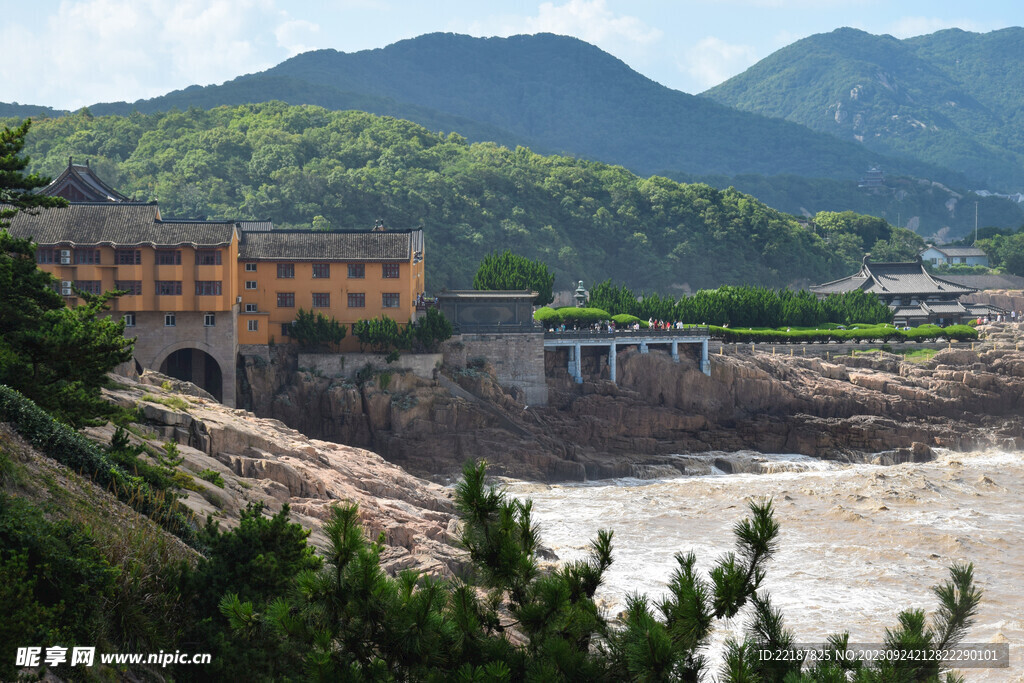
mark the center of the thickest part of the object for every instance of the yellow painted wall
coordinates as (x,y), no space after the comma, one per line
(339,285)
(147,272)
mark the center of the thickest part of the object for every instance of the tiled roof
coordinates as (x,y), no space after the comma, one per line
(246,226)
(960,251)
(84,181)
(126,224)
(946,307)
(846,284)
(892,279)
(987,281)
(909,312)
(317,245)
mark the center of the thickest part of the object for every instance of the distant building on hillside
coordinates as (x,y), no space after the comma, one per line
(874,179)
(915,296)
(954,256)
(200,292)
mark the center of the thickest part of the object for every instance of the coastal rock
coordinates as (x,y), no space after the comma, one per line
(262,460)
(842,408)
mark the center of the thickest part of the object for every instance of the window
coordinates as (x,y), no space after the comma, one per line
(254,325)
(250,267)
(321,270)
(286,270)
(286,329)
(357,270)
(208,288)
(129,319)
(250,284)
(210,320)
(169,320)
(128,257)
(132,287)
(286,299)
(389,299)
(168,257)
(168,287)
(47,255)
(389,270)
(357,301)
(91,286)
(207,257)
(321,299)
(250,308)
(87,256)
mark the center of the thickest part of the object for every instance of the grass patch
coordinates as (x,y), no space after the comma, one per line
(175,402)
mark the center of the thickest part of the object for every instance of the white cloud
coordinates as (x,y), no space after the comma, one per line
(908,27)
(295,36)
(90,51)
(712,60)
(588,20)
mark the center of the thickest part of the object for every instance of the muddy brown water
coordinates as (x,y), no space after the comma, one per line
(858,542)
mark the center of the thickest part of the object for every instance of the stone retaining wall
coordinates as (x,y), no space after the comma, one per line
(518,360)
(348,364)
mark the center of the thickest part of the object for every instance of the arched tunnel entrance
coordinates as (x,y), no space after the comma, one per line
(196,366)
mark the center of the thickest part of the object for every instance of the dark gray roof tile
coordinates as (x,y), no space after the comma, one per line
(310,245)
(126,224)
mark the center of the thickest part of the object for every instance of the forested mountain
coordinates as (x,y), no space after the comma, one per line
(586,220)
(929,208)
(554,94)
(952,98)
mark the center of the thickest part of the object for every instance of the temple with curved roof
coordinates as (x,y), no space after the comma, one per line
(915,296)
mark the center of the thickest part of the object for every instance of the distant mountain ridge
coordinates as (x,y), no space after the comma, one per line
(952,98)
(552,93)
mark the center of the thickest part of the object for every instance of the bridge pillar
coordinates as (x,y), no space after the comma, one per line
(643,347)
(611,361)
(579,364)
(675,351)
(705,364)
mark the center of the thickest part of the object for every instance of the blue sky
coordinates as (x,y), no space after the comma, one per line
(71,53)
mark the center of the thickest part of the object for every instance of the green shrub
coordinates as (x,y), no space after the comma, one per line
(211,476)
(547,316)
(432,329)
(76,452)
(625,319)
(570,315)
(315,330)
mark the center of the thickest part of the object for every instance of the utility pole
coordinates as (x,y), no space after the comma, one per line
(975,225)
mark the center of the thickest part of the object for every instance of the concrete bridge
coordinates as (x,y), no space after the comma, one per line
(575,340)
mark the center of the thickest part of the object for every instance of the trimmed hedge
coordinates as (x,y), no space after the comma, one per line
(627,319)
(872,334)
(570,315)
(71,449)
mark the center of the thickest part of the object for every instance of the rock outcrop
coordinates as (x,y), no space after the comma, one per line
(850,407)
(262,460)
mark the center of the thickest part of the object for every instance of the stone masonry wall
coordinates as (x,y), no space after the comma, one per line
(518,360)
(155,342)
(348,364)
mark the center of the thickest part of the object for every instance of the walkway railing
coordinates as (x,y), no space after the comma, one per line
(626,335)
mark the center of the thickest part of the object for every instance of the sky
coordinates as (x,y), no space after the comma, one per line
(70,53)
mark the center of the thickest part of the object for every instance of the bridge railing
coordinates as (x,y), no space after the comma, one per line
(626,335)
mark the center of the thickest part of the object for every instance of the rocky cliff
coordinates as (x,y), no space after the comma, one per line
(262,460)
(844,408)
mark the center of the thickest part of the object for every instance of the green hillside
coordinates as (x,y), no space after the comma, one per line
(930,209)
(952,98)
(554,94)
(586,220)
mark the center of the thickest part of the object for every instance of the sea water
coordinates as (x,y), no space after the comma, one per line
(858,542)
